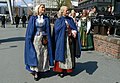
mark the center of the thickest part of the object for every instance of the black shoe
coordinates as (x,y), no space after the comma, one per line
(70,74)
(61,75)
(36,77)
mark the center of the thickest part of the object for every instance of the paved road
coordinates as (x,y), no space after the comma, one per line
(92,67)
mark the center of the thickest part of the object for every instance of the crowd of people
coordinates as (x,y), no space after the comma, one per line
(17,19)
(23,20)
(44,51)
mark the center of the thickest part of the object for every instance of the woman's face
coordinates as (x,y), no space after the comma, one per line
(73,14)
(110,9)
(65,12)
(84,12)
(41,9)
(94,9)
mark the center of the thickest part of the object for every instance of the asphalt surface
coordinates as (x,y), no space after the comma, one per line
(91,67)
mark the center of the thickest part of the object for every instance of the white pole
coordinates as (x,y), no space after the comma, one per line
(10,10)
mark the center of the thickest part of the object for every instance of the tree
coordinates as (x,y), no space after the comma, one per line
(68,3)
(60,3)
(63,2)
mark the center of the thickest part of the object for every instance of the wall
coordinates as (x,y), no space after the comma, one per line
(107,45)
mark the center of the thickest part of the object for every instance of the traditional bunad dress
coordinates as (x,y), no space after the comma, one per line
(41,50)
(67,47)
(84,25)
(38,56)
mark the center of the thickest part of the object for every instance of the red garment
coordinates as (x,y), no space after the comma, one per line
(58,69)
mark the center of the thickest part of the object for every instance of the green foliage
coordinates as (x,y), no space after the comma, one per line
(60,3)
(68,3)
(63,2)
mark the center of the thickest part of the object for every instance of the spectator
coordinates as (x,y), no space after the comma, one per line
(109,12)
(17,20)
(24,21)
(93,14)
(3,21)
(94,11)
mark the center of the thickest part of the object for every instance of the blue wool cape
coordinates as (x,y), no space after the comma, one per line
(29,52)
(59,31)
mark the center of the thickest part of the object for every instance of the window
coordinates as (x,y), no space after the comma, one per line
(107,0)
(100,0)
(95,0)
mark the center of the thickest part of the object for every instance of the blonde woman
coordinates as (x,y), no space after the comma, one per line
(73,15)
(38,50)
(67,43)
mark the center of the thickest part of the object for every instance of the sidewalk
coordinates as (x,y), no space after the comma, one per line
(91,67)
(9,25)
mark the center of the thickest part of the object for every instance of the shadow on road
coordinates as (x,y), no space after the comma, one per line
(47,74)
(14,46)
(90,67)
(12,39)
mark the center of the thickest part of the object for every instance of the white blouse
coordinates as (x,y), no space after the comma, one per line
(88,24)
(39,21)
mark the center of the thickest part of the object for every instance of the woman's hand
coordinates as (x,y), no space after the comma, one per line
(74,33)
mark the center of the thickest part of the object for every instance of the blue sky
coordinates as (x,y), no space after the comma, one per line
(19,2)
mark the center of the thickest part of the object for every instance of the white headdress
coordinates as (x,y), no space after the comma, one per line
(36,8)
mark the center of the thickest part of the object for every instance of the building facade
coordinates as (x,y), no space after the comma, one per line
(87,4)
(48,3)
(90,3)
(117,5)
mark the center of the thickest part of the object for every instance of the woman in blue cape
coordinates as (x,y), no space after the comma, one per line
(67,43)
(38,49)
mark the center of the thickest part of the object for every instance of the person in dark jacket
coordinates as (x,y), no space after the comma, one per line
(24,21)
(17,20)
(3,21)
(109,13)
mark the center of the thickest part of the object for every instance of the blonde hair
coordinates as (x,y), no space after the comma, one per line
(72,11)
(62,9)
(59,14)
(36,10)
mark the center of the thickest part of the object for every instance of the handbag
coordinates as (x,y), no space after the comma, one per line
(44,40)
